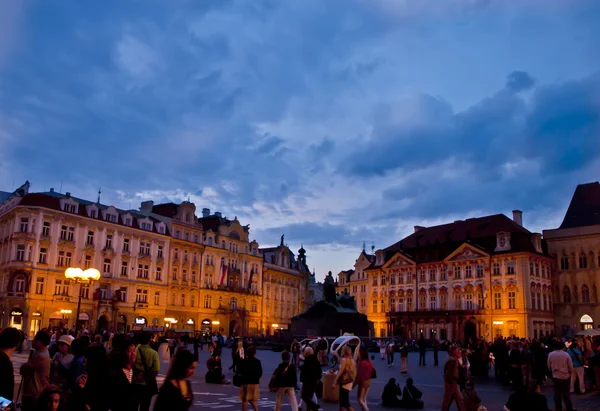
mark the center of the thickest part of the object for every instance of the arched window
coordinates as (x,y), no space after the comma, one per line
(233,303)
(585,294)
(564,262)
(566,294)
(582,261)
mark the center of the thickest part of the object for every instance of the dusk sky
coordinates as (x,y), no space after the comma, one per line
(334,122)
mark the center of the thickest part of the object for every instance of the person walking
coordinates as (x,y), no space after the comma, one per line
(286,382)
(436,349)
(345,378)
(310,375)
(382,347)
(363,378)
(422,350)
(251,371)
(404,357)
(577,371)
(176,393)
(295,350)
(36,371)
(470,397)
(237,356)
(147,365)
(561,367)
(451,379)
(9,340)
(390,353)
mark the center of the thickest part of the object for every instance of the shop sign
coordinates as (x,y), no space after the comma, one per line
(16,312)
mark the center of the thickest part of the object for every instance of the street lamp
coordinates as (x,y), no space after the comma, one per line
(83,277)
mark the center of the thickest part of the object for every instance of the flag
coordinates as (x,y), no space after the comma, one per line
(250,279)
(224,269)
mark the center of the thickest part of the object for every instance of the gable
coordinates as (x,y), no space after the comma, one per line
(399,261)
(466,252)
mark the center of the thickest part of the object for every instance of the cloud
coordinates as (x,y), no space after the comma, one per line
(519,80)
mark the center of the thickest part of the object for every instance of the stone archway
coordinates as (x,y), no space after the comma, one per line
(234,328)
(470,330)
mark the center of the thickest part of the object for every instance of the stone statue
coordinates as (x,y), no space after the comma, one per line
(329,289)
(282,236)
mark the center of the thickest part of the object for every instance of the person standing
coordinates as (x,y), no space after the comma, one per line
(436,349)
(322,351)
(382,346)
(251,371)
(363,378)
(36,371)
(404,357)
(147,365)
(451,378)
(295,351)
(422,350)
(9,340)
(561,367)
(345,378)
(390,353)
(286,382)
(577,371)
(123,390)
(310,374)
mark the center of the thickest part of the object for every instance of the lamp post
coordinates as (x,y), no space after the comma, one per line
(82,277)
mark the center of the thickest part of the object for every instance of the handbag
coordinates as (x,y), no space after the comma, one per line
(373,373)
(345,378)
(274,381)
(237,380)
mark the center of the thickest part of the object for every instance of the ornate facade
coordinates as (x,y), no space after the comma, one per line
(286,286)
(355,282)
(575,247)
(162,267)
(482,277)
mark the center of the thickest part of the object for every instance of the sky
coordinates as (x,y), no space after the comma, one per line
(336,123)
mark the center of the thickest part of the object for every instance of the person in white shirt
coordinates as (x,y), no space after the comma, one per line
(561,366)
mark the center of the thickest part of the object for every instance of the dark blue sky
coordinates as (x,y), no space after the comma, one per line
(333,122)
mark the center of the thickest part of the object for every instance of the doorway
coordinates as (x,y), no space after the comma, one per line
(470,330)
(233,328)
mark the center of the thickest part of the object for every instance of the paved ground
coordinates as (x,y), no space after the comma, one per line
(428,379)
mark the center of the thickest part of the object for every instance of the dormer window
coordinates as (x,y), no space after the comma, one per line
(128,221)
(161,229)
(69,205)
(502,241)
(92,211)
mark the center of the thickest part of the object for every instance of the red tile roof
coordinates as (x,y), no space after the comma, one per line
(584,209)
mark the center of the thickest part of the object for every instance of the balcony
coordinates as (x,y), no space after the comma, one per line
(65,298)
(106,275)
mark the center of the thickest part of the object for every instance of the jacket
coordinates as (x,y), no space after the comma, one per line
(36,373)
(124,394)
(251,370)
(311,371)
(451,375)
(286,378)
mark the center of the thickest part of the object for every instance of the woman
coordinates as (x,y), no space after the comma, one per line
(237,356)
(176,392)
(123,392)
(391,392)
(363,378)
(412,396)
(404,357)
(61,361)
(50,400)
(345,378)
(251,371)
(90,393)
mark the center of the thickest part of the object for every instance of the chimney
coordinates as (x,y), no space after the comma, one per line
(205,212)
(51,190)
(518,217)
(418,228)
(68,194)
(147,206)
(218,214)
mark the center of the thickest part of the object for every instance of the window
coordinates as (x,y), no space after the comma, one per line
(107,265)
(193,276)
(512,300)
(192,298)
(208,301)
(39,285)
(172,299)
(183,300)
(90,238)
(468,271)
(443,272)
(479,270)
(537,270)
(585,294)
(85,291)
(160,251)
(469,301)
(126,244)
(533,300)
(158,273)
(496,269)
(432,275)
(161,229)
(108,242)
(444,301)
(539,301)
(20,252)
(383,306)
(253,306)
(497,301)
(143,271)
(582,261)
(195,257)
(63,232)
(510,267)
(184,275)
(142,248)
(123,292)
(458,272)
(24,227)
(156,298)
(564,262)
(174,276)
(46,229)
(177,235)
(422,277)
(93,213)
(141,296)
(176,254)
(147,249)
(480,302)
(375,306)
(185,255)
(43,255)
(383,280)
(457,302)
(61,259)
(375,282)
(195,238)
(69,208)
(124,269)
(146,226)
(128,221)
(68,258)
(531,270)
(432,302)
(566,294)
(545,302)
(61,287)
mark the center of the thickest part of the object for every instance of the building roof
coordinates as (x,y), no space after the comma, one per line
(435,243)
(584,209)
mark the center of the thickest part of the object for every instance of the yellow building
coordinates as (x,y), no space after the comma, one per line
(575,248)
(482,277)
(286,286)
(42,234)
(355,281)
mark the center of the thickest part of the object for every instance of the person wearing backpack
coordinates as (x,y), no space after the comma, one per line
(577,370)
(345,378)
(285,381)
(147,365)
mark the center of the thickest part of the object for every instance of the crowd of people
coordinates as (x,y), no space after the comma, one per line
(78,372)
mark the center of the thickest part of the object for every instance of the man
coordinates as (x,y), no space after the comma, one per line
(310,374)
(322,349)
(527,400)
(251,371)
(390,353)
(286,382)
(471,399)
(147,364)
(295,351)
(36,371)
(578,370)
(451,379)
(9,340)
(561,367)
(422,350)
